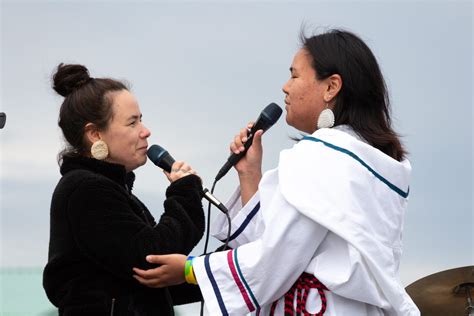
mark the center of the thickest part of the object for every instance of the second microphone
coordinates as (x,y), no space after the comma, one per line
(161,158)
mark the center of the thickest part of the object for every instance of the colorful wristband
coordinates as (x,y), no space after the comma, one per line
(189,272)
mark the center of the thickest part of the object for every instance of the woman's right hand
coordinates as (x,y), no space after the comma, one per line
(169,272)
(179,169)
(249,166)
(251,163)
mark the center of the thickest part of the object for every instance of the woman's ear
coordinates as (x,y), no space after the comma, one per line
(91,133)
(334,86)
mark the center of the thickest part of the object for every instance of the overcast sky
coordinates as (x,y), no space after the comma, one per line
(202,70)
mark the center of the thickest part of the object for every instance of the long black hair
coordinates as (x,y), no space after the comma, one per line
(363,102)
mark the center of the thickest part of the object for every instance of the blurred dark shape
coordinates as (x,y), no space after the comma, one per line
(3,119)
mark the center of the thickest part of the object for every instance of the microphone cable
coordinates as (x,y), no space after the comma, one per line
(208,225)
(266,119)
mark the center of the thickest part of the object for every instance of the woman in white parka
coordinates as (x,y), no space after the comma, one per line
(321,233)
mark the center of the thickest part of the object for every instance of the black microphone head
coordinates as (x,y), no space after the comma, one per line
(270,114)
(160,157)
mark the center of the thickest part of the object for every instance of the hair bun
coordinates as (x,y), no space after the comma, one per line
(69,78)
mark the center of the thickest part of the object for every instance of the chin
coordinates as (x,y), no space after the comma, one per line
(292,124)
(141,163)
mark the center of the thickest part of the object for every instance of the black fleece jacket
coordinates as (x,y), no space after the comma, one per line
(100,231)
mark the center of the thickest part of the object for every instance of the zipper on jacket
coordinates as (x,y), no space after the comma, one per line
(129,192)
(112,307)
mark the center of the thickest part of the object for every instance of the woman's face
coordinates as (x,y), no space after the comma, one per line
(126,136)
(304,94)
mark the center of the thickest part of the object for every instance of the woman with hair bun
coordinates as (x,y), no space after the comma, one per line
(99,229)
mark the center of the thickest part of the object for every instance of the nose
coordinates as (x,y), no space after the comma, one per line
(285,87)
(145,132)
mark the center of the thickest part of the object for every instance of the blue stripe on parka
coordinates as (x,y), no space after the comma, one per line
(351,154)
(214,286)
(245,222)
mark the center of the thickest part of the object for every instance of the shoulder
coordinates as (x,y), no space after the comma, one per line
(332,153)
(316,152)
(83,195)
(81,177)
(81,182)
(345,185)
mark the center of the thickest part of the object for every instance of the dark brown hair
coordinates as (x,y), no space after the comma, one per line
(363,102)
(87,100)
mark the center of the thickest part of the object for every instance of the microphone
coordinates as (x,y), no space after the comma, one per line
(267,118)
(161,157)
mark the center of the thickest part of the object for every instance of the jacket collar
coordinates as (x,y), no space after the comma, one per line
(112,171)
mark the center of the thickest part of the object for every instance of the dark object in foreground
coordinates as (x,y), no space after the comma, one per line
(3,119)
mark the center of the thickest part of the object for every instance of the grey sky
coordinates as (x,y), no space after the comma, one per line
(202,70)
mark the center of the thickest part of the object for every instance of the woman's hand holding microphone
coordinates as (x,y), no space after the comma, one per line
(249,167)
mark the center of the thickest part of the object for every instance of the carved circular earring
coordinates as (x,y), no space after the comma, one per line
(326,118)
(99,150)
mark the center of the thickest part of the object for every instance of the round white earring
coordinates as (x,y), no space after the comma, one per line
(326,118)
(99,150)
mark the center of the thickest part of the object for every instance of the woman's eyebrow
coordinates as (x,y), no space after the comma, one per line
(135,117)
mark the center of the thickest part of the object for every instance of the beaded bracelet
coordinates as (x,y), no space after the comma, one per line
(189,272)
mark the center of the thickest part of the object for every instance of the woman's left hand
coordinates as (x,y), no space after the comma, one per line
(170,271)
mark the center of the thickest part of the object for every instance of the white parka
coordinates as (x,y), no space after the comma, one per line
(334,208)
